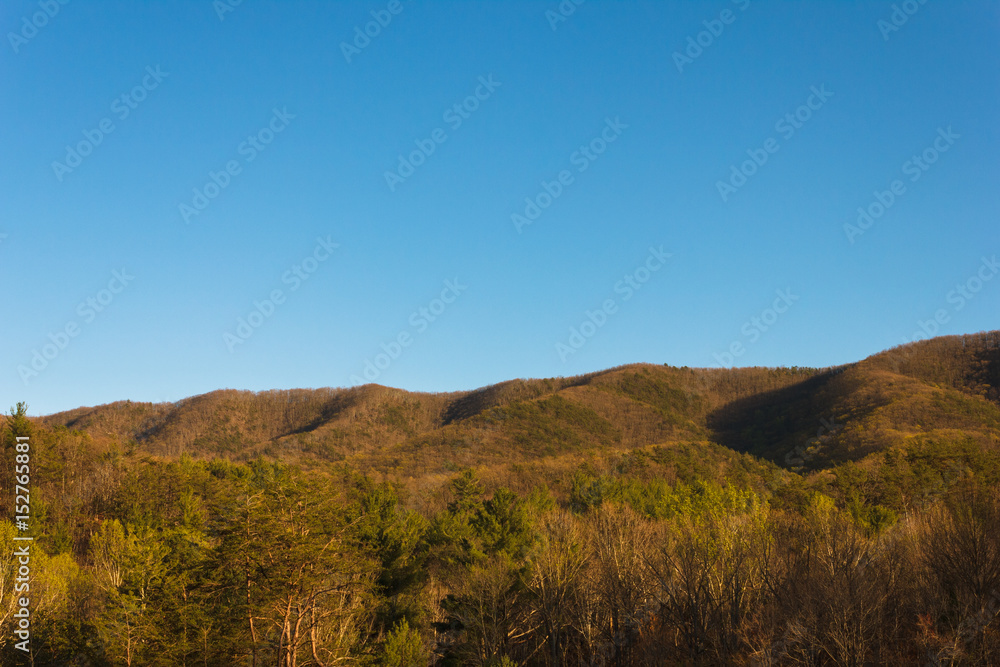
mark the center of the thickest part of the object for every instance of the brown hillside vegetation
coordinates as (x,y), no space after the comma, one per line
(926,390)
(642,515)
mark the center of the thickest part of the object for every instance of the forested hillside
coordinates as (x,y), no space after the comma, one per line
(636,516)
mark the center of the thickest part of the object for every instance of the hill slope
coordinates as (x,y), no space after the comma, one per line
(806,418)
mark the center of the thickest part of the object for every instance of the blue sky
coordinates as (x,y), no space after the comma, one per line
(601,114)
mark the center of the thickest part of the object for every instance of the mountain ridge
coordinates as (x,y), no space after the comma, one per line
(833,415)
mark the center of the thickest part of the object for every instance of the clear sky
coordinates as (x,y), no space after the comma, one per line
(681,171)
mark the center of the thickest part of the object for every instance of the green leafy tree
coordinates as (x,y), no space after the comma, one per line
(502,524)
(404,648)
(18,424)
(396,537)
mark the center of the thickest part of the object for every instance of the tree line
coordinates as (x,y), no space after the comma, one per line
(150,561)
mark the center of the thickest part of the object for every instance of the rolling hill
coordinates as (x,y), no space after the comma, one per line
(942,390)
(647,514)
